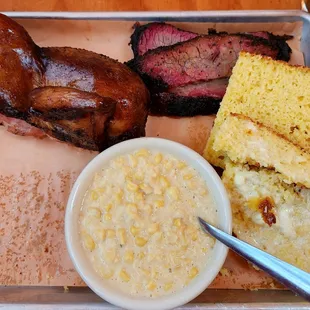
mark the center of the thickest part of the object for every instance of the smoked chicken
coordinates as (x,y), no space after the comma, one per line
(73,95)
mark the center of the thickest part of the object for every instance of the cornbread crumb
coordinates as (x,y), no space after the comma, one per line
(225,272)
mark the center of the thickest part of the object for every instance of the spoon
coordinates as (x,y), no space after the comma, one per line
(292,277)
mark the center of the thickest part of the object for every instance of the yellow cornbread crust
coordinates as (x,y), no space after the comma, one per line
(274,93)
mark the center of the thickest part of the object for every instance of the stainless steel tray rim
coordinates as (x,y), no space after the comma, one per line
(42,298)
(129,15)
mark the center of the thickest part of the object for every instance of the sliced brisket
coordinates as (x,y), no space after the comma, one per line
(188,73)
(153,35)
(200,59)
(175,105)
(214,88)
(192,99)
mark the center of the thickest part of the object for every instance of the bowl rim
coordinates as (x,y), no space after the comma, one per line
(205,277)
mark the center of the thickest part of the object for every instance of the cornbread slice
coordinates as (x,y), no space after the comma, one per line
(272,92)
(270,214)
(247,142)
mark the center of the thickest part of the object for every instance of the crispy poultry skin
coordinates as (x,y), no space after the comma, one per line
(20,67)
(104,76)
(74,95)
(72,115)
(57,103)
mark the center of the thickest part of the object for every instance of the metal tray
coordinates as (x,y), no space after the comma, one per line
(29,297)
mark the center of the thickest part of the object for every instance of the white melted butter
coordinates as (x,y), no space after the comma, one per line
(284,220)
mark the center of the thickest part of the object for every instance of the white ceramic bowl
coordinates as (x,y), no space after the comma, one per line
(76,251)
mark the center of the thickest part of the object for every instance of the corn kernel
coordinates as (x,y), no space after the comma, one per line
(148,209)
(132,208)
(122,236)
(119,196)
(126,170)
(110,233)
(203,192)
(131,186)
(146,272)
(141,255)
(107,217)
(108,207)
(133,161)
(158,191)
(168,286)
(94,196)
(182,236)
(192,232)
(142,152)
(194,236)
(154,227)
(153,174)
(100,234)
(138,196)
(158,158)
(140,241)
(95,212)
(129,257)
(120,160)
(106,274)
(193,273)
(158,236)
(138,176)
(124,275)
(191,185)
(204,250)
(168,165)
(181,165)
(184,247)
(100,190)
(154,274)
(173,193)
(110,255)
(147,189)
(151,286)
(177,222)
(164,182)
(159,203)
(187,176)
(88,241)
(134,230)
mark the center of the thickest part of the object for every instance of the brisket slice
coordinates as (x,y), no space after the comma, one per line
(170,104)
(200,59)
(189,100)
(153,35)
(215,89)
